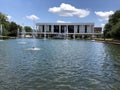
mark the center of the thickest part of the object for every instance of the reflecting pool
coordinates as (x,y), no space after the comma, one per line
(59,65)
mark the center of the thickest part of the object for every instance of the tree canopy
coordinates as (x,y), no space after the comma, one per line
(28,29)
(112,28)
(10,28)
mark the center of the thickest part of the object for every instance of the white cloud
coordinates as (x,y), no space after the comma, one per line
(69,10)
(32,17)
(9,17)
(59,21)
(104,15)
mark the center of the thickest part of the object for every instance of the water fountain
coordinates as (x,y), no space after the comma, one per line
(23,33)
(66,33)
(45,34)
(1,31)
(34,34)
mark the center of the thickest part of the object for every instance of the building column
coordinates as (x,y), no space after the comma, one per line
(45,32)
(52,29)
(59,29)
(89,29)
(47,28)
(81,28)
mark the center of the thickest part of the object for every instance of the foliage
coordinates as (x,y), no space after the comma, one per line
(13,29)
(3,18)
(10,28)
(107,29)
(28,29)
(112,28)
(115,32)
(4,22)
(115,18)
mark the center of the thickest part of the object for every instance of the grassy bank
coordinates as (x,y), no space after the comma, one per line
(108,40)
(4,37)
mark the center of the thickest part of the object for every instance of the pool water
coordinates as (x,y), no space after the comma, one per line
(59,65)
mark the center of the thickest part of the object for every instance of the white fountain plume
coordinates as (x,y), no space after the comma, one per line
(18,31)
(1,29)
(34,34)
(23,33)
(45,32)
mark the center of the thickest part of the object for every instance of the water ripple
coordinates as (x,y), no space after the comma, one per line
(59,65)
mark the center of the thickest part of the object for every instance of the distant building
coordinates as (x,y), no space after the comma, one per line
(97,29)
(65,30)
(69,30)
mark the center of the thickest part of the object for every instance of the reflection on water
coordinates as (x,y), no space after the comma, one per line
(59,65)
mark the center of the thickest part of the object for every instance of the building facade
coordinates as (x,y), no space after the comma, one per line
(97,29)
(66,30)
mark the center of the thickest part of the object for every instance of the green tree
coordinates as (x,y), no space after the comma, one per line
(112,28)
(107,29)
(115,18)
(13,29)
(5,28)
(3,18)
(10,28)
(115,32)
(28,29)
(5,23)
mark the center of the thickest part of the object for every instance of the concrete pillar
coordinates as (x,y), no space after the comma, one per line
(52,29)
(45,32)
(75,31)
(81,29)
(47,28)
(59,28)
(89,29)
(92,29)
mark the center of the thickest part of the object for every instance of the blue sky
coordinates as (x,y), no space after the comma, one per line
(28,11)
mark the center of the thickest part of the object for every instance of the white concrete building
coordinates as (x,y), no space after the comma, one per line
(69,30)
(64,30)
